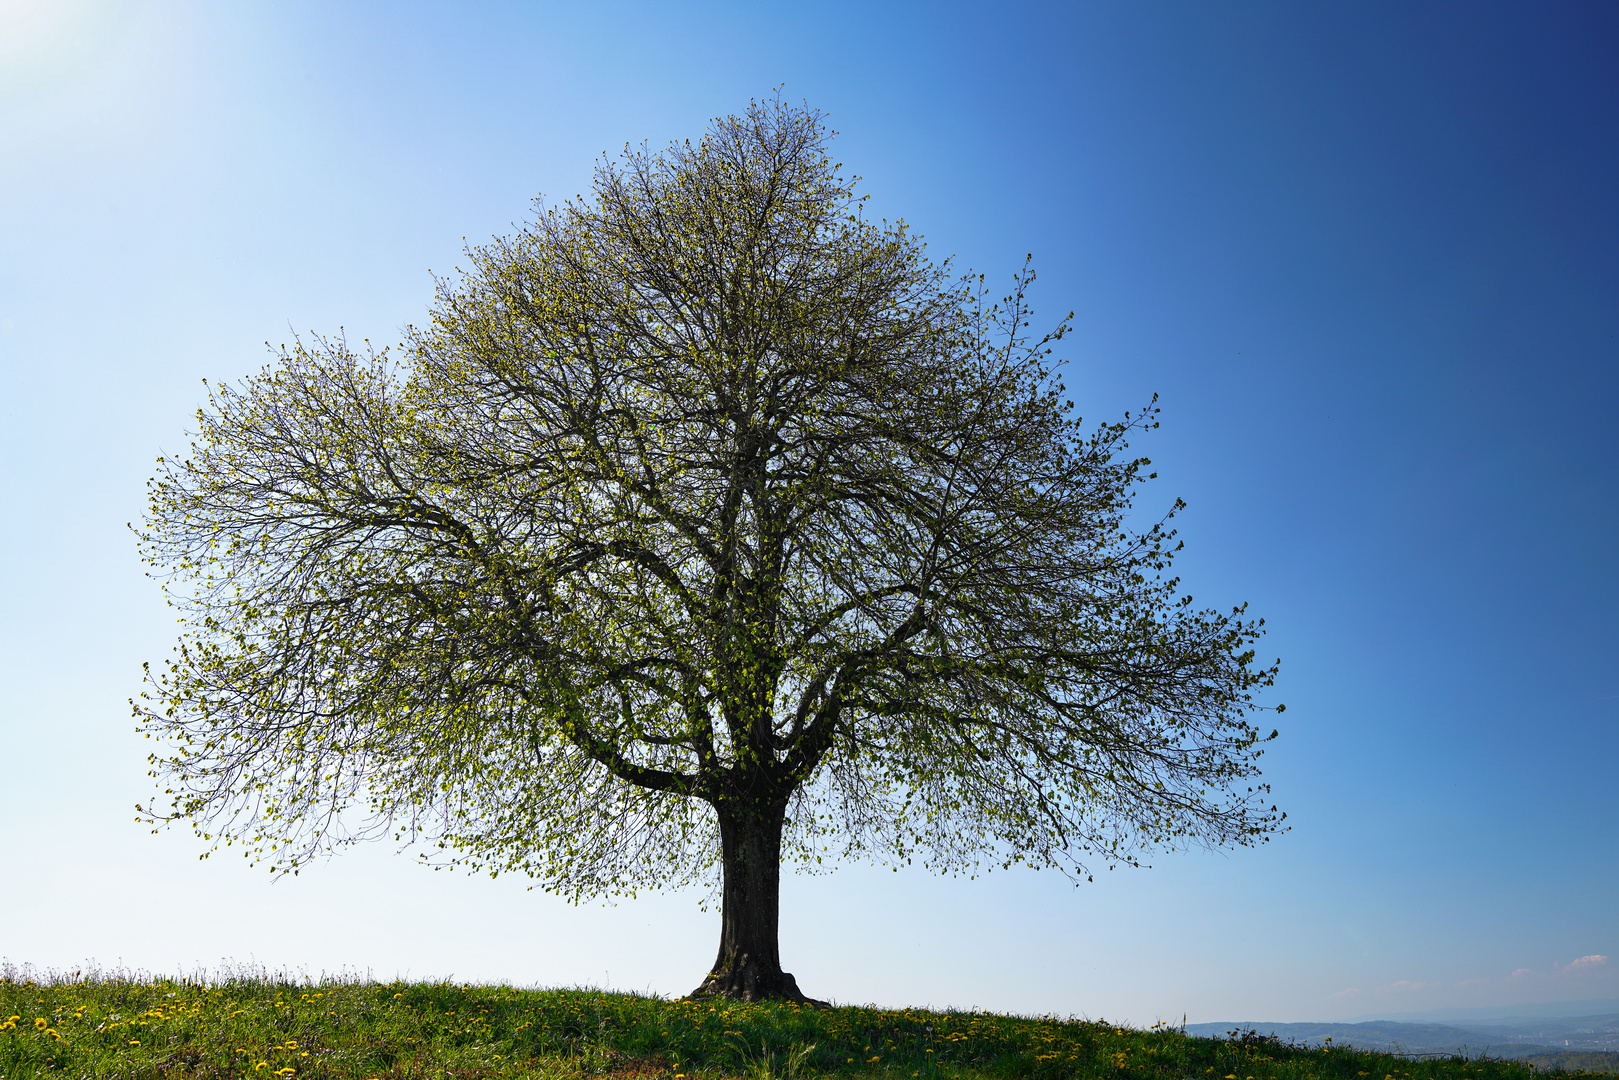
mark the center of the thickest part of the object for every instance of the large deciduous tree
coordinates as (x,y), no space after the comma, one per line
(706,524)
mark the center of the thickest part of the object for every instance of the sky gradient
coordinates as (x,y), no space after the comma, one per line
(1367,256)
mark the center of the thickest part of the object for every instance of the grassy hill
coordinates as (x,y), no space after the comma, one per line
(265,1028)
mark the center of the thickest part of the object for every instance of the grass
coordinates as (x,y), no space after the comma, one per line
(267,1028)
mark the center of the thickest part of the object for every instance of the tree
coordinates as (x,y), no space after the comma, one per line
(707,523)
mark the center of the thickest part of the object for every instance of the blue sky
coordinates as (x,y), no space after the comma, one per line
(1367,255)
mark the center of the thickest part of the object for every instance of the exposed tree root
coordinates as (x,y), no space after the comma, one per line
(748,980)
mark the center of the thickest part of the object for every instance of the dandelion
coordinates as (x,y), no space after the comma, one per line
(134,1042)
(40,1023)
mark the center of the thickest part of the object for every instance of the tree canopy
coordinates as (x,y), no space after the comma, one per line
(706,523)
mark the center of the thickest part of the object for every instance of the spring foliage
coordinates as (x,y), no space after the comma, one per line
(705,492)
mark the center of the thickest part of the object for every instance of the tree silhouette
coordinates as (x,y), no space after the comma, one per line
(707,523)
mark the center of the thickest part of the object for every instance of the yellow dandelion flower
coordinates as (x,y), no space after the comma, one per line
(134,1042)
(40,1023)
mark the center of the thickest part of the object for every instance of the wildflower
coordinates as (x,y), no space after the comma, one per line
(40,1023)
(134,1042)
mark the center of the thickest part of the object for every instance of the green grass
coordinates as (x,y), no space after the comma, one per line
(266,1028)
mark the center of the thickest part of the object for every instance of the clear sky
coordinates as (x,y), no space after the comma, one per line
(1367,254)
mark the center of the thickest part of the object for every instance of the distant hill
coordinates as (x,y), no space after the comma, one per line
(1384,1035)
(1583,1032)
(1596,1061)
(1528,1038)
(1471,1016)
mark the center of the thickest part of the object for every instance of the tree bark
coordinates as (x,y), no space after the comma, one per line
(748,966)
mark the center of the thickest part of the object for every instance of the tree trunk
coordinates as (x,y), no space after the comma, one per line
(749,964)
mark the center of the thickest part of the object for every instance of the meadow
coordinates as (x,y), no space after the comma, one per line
(263,1027)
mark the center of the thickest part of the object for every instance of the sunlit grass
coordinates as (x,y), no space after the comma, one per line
(263,1027)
